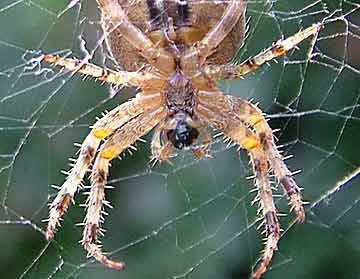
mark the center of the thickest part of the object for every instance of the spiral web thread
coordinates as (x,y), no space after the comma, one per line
(190,219)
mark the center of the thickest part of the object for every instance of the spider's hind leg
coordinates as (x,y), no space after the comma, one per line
(116,78)
(116,20)
(221,72)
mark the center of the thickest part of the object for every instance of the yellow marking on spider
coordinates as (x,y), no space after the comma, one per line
(249,143)
(101,133)
(50,58)
(117,78)
(109,153)
(254,119)
(110,77)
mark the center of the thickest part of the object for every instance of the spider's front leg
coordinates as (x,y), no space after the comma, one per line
(227,109)
(126,135)
(243,123)
(102,129)
(201,149)
(253,118)
(267,209)
(160,152)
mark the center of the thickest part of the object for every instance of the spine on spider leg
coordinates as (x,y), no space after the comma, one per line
(286,180)
(266,210)
(68,189)
(95,211)
(94,205)
(102,74)
(253,116)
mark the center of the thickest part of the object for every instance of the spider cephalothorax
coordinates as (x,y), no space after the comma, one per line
(179,99)
(174,52)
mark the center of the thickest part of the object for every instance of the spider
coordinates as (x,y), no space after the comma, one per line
(175,51)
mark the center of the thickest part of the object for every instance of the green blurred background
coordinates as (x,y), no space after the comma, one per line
(191,219)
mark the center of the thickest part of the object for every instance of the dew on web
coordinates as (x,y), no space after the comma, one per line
(188,219)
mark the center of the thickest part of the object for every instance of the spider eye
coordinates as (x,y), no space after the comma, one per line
(183,135)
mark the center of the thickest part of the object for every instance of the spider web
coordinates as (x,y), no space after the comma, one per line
(191,219)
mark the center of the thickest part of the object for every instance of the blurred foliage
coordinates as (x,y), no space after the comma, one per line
(171,218)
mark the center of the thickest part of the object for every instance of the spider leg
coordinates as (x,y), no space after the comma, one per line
(230,108)
(117,143)
(117,78)
(261,154)
(201,149)
(198,54)
(160,152)
(221,72)
(243,123)
(267,209)
(158,57)
(254,119)
(102,129)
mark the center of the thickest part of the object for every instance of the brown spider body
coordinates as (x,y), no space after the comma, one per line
(176,26)
(174,51)
(190,22)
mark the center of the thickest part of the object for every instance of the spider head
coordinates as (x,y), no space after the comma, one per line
(181,131)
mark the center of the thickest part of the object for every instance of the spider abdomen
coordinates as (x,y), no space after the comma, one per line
(189,19)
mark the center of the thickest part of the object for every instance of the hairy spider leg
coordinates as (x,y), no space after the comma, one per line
(201,149)
(265,154)
(103,128)
(239,120)
(141,79)
(244,124)
(156,56)
(124,137)
(267,209)
(197,54)
(252,116)
(160,152)
(221,72)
